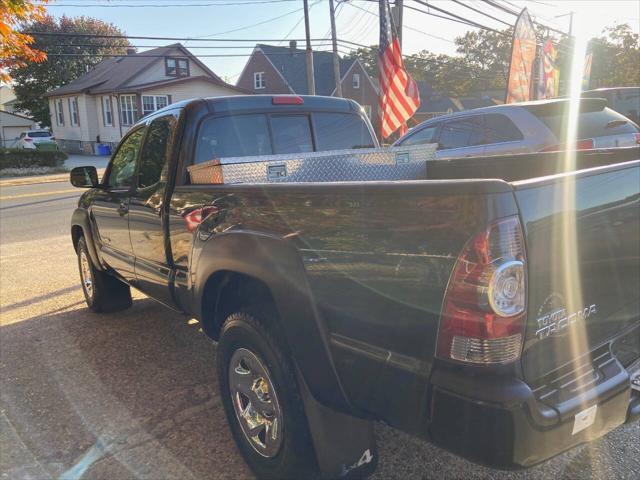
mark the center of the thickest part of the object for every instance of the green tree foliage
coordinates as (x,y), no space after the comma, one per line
(33,80)
(616,58)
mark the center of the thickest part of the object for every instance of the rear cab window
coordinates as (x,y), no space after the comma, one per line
(246,135)
(39,134)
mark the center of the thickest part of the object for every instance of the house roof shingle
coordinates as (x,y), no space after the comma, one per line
(112,74)
(292,65)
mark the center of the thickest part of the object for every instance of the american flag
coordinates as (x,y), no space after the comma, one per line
(399,97)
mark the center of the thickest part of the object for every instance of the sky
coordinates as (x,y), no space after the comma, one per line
(278,21)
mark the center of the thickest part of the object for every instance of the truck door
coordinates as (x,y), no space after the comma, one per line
(111,206)
(146,222)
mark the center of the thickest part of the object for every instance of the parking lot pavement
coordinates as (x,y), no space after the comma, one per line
(134,394)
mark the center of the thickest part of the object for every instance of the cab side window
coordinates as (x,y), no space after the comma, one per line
(123,164)
(156,150)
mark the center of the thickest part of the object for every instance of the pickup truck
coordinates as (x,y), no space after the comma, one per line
(498,319)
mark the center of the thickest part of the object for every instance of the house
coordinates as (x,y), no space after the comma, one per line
(11,126)
(273,69)
(433,104)
(103,104)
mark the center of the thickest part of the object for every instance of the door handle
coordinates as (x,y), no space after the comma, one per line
(123,209)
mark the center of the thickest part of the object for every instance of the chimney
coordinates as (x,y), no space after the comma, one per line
(131,51)
(293,45)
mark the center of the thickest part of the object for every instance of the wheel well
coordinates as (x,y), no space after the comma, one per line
(226,292)
(76,233)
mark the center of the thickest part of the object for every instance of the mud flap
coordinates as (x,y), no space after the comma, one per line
(345,446)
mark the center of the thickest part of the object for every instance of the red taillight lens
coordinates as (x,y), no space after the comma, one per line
(483,313)
(638,138)
(584,144)
(287,100)
(28,139)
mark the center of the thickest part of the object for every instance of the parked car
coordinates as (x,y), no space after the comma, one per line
(37,139)
(466,312)
(624,100)
(523,128)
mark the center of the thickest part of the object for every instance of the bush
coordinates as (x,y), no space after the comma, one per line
(16,158)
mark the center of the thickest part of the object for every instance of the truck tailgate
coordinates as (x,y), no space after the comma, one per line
(583,255)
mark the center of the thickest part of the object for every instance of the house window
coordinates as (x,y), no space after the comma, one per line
(258,81)
(128,109)
(356,80)
(107,116)
(151,103)
(73,111)
(177,67)
(59,112)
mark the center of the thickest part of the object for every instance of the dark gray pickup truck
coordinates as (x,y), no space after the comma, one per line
(499,319)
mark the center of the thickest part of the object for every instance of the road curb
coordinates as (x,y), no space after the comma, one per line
(55,178)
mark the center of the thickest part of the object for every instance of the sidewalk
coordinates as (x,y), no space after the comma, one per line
(73,161)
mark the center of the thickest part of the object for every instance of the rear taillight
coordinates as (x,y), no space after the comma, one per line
(484,308)
(28,139)
(584,144)
(638,138)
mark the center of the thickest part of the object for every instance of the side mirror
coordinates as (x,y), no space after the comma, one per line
(84,177)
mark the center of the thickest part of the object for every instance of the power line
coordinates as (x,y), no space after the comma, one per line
(499,6)
(458,17)
(252,25)
(142,37)
(482,13)
(163,5)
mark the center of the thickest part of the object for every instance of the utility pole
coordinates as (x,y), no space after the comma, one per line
(334,41)
(311,84)
(396,11)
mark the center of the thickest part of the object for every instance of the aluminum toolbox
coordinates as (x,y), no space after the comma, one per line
(371,164)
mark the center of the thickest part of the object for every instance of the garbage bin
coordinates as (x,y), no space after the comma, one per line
(103,149)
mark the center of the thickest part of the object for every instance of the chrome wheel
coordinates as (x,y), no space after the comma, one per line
(255,402)
(85,274)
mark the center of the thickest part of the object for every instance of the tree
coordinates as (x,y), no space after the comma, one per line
(69,57)
(616,58)
(15,47)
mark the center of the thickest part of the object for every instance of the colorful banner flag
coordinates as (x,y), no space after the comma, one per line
(551,71)
(586,73)
(523,55)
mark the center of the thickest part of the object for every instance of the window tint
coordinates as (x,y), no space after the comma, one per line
(461,133)
(590,124)
(291,134)
(156,150)
(341,131)
(234,136)
(123,164)
(39,134)
(499,128)
(424,136)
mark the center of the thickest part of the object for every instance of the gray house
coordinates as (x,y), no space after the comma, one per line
(101,106)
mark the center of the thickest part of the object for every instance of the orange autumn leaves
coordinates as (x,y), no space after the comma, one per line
(15,47)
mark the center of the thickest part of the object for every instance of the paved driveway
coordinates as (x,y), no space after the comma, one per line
(76,160)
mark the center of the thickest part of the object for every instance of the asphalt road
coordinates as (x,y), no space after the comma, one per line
(134,394)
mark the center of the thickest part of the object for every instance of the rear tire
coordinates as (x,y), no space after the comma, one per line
(103,292)
(248,347)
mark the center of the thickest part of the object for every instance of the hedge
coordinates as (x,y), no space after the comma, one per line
(17,158)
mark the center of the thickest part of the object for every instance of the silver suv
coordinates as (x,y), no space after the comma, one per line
(523,128)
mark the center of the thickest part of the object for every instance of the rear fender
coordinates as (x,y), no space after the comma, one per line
(277,264)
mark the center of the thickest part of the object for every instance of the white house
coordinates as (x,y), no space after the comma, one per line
(101,106)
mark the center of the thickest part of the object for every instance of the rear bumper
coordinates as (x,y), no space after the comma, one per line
(502,424)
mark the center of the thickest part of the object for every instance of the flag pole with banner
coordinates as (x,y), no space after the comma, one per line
(523,54)
(399,97)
